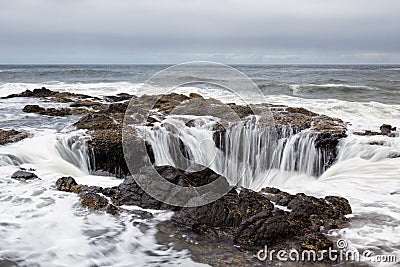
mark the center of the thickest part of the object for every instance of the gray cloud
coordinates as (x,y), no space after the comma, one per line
(231,31)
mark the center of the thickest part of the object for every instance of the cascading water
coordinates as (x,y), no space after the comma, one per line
(248,154)
(63,153)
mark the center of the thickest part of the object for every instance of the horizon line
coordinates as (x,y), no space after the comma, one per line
(175,63)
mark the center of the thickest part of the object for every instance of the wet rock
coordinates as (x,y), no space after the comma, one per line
(227,212)
(24,176)
(251,220)
(167,103)
(52,111)
(56,99)
(119,97)
(90,196)
(97,121)
(141,214)
(113,210)
(71,95)
(340,204)
(315,242)
(268,228)
(195,95)
(67,184)
(33,109)
(61,97)
(88,103)
(301,111)
(11,136)
(386,129)
(130,193)
(106,140)
(94,201)
(117,108)
(367,133)
(241,111)
(43,92)
(107,152)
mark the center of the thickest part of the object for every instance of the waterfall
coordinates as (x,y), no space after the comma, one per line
(247,153)
(49,151)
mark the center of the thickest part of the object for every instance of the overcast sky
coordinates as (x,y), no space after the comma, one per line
(173,31)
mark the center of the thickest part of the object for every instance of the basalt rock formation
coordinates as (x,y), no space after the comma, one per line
(105,126)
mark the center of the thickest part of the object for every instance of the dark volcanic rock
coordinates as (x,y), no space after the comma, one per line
(97,121)
(52,111)
(367,133)
(107,152)
(61,97)
(130,193)
(11,136)
(33,109)
(94,201)
(386,129)
(106,140)
(67,184)
(89,195)
(119,97)
(43,92)
(24,175)
(89,104)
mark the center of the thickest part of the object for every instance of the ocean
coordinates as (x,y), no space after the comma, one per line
(39,225)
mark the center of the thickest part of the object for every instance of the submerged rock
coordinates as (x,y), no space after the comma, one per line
(385,129)
(24,175)
(11,136)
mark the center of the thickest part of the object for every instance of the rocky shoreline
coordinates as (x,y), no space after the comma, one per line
(243,218)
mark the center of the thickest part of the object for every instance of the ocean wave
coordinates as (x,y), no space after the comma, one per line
(299,88)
